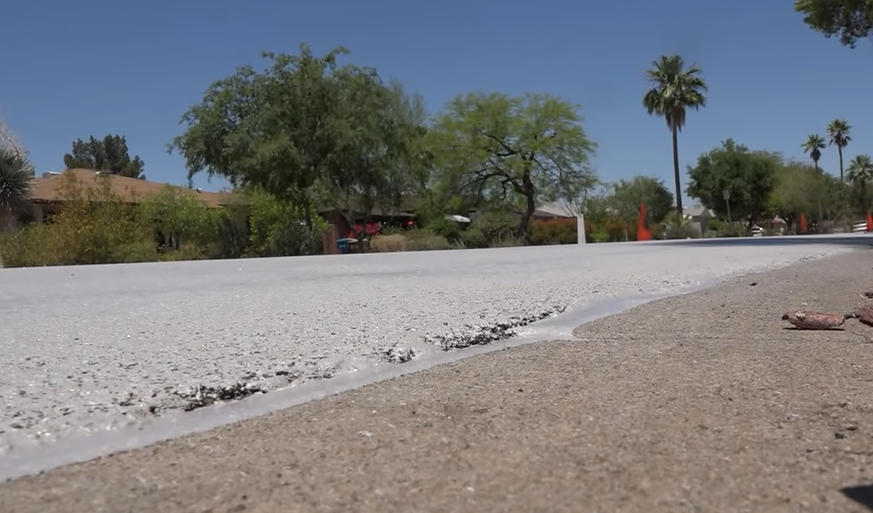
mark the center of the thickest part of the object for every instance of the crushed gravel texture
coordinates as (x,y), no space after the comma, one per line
(97,348)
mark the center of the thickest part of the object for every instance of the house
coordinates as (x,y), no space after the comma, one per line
(48,196)
(375,219)
(698,218)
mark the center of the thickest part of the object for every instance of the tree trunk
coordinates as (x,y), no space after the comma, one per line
(863,184)
(676,170)
(840,152)
(527,184)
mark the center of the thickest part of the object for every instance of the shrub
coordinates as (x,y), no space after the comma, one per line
(473,238)
(553,231)
(496,224)
(95,227)
(277,228)
(425,240)
(732,230)
(180,220)
(679,232)
(445,227)
(505,241)
(388,243)
(600,235)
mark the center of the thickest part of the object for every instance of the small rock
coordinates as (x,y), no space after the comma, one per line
(814,320)
(865,315)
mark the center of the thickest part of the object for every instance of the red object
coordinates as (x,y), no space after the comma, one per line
(802,223)
(372,229)
(643,232)
(869,222)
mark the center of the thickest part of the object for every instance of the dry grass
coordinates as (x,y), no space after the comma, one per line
(388,243)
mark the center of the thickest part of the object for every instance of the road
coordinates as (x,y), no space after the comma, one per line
(100,348)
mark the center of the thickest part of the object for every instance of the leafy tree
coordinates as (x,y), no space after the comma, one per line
(16,185)
(838,132)
(380,158)
(110,155)
(798,188)
(749,175)
(515,149)
(849,19)
(813,146)
(860,173)
(627,196)
(274,129)
(675,89)
(304,130)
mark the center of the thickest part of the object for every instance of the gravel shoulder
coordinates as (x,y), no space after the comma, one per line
(702,402)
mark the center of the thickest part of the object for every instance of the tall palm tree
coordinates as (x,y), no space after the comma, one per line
(813,145)
(860,173)
(16,184)
(838,131)
(675,88)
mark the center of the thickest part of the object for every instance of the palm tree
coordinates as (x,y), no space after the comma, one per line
(675,89)
(813,145)
(860,173)
(838,131)
(16,184)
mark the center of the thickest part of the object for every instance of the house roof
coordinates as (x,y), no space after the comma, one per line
(697,211)
(47,188)
(553,210)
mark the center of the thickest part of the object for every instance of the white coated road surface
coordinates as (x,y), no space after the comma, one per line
(95,348)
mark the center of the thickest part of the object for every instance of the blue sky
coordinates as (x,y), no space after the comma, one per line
(73,69)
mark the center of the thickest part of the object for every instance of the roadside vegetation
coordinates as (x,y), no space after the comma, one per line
(305,132)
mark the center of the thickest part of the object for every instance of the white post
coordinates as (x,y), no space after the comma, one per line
(580,229)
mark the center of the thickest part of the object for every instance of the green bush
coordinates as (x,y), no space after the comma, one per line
(180,220)
(95,227)
(473,238)
(445,227)
(277,228)
(732,230)
(600,235)
(496,224)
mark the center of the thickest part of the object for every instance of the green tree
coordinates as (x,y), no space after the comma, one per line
(749,175)
(273,129)
(798,188)
(380,156)
(675,89)
(838,132)
(110,154)
(304,130)
(522,150)
(850,20)
(627,196)
(860,174)
(813,146)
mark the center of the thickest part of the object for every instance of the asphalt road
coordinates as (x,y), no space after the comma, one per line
(703,402)
(97,348)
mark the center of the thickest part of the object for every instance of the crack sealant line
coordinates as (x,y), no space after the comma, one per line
(174,424)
